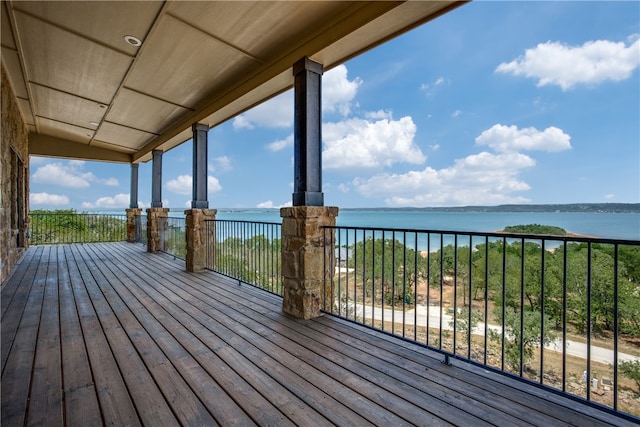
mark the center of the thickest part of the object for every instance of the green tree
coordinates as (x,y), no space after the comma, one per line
(631,370)
(464,323)
(386,266)
(525,339)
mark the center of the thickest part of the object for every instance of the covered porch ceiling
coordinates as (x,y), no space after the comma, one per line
(85,92)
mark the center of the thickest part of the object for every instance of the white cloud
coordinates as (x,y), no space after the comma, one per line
(554,63)
(509,138)
(610,196)
(118,201)
(213,185)
(274,113)
(35,160)
(223,163)
(269,205)
(69,175)
(358,143)
(338,91)
(456,113)
(281,144)
(378,115)
(429,88)
(337,94)
(482,178)
(48,199)
(183,184)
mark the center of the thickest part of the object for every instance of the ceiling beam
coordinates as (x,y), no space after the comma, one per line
(50,146)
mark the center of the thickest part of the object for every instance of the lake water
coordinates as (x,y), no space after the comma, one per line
(606,225)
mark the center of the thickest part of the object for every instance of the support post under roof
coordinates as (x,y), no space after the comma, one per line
(199,200)
(307,134)
(156,179)
(133,192)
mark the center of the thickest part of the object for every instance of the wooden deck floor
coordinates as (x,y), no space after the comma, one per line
(106,334)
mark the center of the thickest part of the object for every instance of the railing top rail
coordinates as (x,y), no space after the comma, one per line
(243,221)
(496,234)
(76,214)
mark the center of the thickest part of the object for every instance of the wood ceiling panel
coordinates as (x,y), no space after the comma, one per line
(11,61)
(114,147)
(122,136)
(143,112)
(385,27)
(105,21)
(63,107)
(182,64)
(25,110)
(260,28)
(68,62)
(5,27)
(63,130)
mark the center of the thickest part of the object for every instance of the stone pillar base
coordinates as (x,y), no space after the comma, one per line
(157,225)
(305,247)
(198,235)
(132,214)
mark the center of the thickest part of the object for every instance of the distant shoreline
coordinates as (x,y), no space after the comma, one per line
(568,234)
(548,208)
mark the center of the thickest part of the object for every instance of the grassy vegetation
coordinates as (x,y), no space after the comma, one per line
(536,229)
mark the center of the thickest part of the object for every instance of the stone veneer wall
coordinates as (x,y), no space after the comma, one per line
(305,247)
(14,219)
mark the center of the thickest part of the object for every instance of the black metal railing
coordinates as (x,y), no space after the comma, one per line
(247,251)
(174,240)
(69,226)
(562,312)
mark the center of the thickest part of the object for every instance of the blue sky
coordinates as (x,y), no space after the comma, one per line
(493,103)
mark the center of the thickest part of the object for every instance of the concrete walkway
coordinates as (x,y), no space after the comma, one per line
(419,316)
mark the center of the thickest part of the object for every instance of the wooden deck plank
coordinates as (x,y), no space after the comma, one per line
(137,333)
(219,388)
(116,405)
(80,396)
(304,360)
(16,376)
(243,357)
(339,413)
(12,283)
(14,296)
(150,405)
(45,401)
(542,407)
(185,404)
(392,392)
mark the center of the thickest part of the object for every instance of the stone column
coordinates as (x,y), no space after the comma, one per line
(198,236)
(305,247)
(132,215)
(157,225)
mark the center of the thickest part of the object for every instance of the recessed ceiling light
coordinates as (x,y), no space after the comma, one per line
(133,41)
